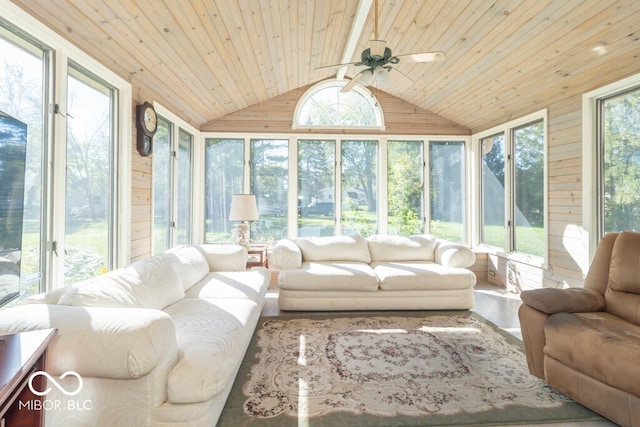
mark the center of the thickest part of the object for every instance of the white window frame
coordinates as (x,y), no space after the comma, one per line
(591,221)
(364,92)
(63,52)
(197,175)
(292,195)
(507,129)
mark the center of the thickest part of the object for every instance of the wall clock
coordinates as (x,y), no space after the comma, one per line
(147,125)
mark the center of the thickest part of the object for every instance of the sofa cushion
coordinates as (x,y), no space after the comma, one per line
(190,264)
(223,257)
(401,248)
(599,345)
(623,291)
(149,283)
(329,276)
(624,268)
(212,336)
(397,276)
(252,284)
(334,248)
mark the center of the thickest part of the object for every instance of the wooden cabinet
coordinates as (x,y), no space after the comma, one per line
(21,355)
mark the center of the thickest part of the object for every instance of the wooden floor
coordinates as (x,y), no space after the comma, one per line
(493,303)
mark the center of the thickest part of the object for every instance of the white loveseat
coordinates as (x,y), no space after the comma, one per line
(158,342)
(376,273)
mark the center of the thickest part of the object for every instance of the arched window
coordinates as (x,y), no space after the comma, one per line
(323,106)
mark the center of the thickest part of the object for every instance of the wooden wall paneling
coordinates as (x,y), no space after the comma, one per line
(276,115)
(141,197)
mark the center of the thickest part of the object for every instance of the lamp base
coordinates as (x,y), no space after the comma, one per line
(242,234)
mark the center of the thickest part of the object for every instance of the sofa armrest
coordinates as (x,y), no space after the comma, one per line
(569,300)
(454,255)
(99,342)
(286,255)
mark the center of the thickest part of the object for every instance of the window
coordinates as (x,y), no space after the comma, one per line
(405,187)
(224,177)
(493,191)
(528,219)
(316,188)
(447,190)
(77,213)
(90,172)
(162,142)
(269,183)
(610,154)
(620,165)
(513,185)
(344,186)
(172,182)
(184,193)
(23,63)
(359,160)
(324,106)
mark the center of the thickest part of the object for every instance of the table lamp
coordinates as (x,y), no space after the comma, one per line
(243,209)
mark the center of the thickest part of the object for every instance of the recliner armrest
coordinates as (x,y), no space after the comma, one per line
(569,300)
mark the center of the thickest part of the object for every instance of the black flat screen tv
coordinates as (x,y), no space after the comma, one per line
(13,151)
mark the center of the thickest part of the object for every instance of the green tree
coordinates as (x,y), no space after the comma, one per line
(622,162)
(315,168)
(404,186)
(359,165)
(224,159)
(529,157)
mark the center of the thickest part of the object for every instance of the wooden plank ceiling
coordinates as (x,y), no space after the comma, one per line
(205,59)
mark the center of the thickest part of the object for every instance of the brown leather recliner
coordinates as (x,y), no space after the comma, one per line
(585,342)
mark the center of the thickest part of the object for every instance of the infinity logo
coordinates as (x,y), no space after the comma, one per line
(55,383)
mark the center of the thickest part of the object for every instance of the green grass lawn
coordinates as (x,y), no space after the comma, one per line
(89,239)
(86,248)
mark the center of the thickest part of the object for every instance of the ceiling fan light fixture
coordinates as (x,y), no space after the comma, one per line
(377,48)
(381,74)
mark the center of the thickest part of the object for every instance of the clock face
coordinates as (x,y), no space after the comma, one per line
(150,119)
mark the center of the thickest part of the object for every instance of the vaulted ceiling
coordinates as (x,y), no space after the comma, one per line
(205,59)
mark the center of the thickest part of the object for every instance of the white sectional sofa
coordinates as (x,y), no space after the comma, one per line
(377,273)
(156,343)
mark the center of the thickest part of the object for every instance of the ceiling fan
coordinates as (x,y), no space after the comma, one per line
(379,59)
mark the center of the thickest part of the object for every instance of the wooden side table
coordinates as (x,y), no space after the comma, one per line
(21,355)
(257,256)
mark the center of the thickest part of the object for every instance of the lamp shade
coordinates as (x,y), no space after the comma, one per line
(243,208)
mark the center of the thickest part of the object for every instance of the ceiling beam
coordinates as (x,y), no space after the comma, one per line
(356,31)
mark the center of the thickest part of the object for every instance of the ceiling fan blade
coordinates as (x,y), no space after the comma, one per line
(424,56)
(337,65)
(400,78)
(361,76)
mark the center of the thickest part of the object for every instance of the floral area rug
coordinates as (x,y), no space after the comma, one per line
(426,370)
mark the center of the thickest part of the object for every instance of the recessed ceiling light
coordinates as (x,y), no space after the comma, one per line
(600,49)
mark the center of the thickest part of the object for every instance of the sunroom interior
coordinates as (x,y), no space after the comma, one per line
(522,143)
